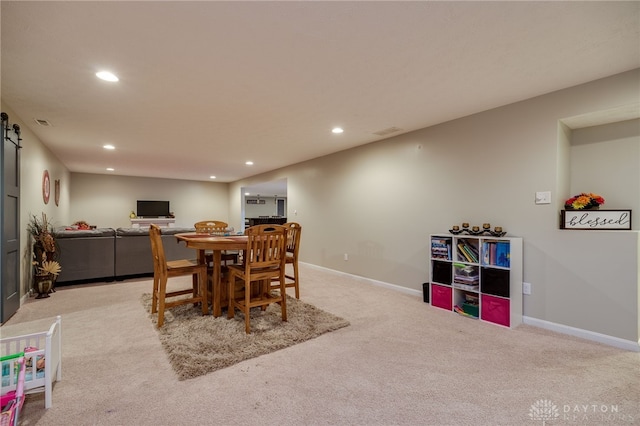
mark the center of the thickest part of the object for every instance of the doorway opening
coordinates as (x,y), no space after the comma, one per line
(264,202)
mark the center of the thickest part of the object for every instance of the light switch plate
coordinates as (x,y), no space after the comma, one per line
(543,197)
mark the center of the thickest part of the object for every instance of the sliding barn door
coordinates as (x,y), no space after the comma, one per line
(10,224)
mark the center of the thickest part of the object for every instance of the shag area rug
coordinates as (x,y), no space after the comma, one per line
(198,345)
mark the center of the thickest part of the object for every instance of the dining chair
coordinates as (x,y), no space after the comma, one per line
(264,260)
(215,227)
(163,270)
(294,230)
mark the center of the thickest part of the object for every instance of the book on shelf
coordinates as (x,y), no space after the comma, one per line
(467,252)
(467,278)
(496,253)
(503,255)
(441,248)
(459,310)
(468,287)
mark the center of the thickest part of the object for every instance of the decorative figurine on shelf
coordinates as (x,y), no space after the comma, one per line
(498,232)
(455,230)
(475,230)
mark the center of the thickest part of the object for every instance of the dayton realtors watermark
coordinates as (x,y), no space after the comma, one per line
(548,412)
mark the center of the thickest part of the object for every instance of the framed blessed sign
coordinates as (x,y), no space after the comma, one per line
(595,219)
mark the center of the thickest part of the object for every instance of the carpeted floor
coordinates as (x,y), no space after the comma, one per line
(399,362)
(198,345)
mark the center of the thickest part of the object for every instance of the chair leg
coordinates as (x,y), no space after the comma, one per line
(247,301)
(196,286)
(231,301)
(265,289)
(202,281)
(154,297)
(297,280)
(162,293)
(283,295)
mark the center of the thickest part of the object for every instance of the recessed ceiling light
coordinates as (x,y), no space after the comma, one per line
(106,76)
(212,177)
(337,130)
(109,147)
(110,169)
(246,193)
(249,163)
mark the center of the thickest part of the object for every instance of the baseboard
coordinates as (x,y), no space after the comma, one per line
(617,342)
(368,280)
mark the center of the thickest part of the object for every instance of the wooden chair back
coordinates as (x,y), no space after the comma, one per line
(266,246)
(264,261)
(211,227)
(294,230)
(163,270)
(157,251)
(216,227)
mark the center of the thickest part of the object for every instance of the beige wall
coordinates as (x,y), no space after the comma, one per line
(106,201)
(35,159)
(380,202)
(604,159)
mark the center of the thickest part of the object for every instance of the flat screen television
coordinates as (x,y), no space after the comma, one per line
(152,208)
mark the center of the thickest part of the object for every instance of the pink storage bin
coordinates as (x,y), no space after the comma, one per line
(495,309)
(4,399)
(441,296)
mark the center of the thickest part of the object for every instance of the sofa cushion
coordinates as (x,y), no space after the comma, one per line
(145,231)
(173,231)
(84,233)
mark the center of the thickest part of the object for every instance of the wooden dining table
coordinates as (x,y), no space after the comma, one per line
(217,244)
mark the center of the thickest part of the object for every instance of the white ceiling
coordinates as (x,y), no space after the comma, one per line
(205,86)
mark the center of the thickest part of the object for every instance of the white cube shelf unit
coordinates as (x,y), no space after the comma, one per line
(477,276)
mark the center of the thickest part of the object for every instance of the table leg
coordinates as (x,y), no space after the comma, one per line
(202,261)
(216,296)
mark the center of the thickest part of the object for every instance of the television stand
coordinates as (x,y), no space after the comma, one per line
(145,222)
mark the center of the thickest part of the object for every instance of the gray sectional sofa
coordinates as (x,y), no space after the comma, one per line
(107,254)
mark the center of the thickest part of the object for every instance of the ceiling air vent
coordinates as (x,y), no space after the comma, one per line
(42,122)
(387,131)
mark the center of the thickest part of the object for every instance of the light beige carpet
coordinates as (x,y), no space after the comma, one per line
(198,345)
(400,362)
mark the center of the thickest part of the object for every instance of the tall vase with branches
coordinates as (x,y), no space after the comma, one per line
(46,267)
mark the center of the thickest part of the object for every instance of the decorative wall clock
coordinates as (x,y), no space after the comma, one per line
(46,187)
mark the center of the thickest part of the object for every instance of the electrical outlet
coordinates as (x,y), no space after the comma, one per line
(346,256)
(526,288)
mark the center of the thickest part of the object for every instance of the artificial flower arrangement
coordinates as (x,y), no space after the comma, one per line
(44,267)
(584,201)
